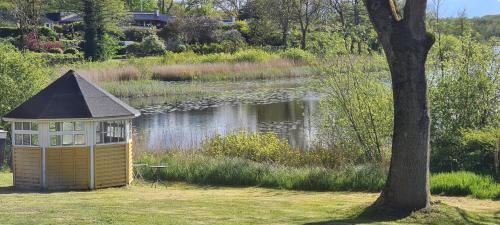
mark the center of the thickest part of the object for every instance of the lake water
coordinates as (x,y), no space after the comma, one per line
(292,120)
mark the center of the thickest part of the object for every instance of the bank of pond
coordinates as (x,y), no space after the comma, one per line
(201,169)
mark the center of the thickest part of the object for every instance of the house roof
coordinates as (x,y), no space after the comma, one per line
(63,17)
(151,16)
(71,18)
(70,97)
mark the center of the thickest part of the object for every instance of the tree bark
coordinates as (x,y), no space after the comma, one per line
(406,44)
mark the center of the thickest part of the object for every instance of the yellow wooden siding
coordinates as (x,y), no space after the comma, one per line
(27,168)
(111,165)
(67,168)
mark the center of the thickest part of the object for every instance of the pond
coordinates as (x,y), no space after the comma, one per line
(182,127)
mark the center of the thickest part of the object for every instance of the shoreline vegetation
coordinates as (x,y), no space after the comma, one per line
(178,74)
(202,169)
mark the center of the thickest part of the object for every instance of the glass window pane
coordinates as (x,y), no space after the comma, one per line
(67,139)
(19,139)
(98,138)
(79,126)
(68,126)
(55,140)
(107,138)
(99,127)
(34,139)
(34,126)
(26,139)
(18,126)
(26,126)
(54,127)
(79,139)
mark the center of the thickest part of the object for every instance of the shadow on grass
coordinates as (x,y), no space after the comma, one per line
(438,214)
(367,215)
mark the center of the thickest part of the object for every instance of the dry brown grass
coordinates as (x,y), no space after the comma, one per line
(123,73)
(193,71)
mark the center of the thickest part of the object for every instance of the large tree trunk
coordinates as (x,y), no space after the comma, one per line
(406,44)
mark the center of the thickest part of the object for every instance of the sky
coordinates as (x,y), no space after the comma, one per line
(473,8)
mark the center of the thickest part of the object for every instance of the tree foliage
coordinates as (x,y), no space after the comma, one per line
(357,114)
(22,75)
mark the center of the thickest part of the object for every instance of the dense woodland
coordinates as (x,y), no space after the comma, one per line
(334,37)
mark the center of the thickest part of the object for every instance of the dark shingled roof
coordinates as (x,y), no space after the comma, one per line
(151,16)
(72,96)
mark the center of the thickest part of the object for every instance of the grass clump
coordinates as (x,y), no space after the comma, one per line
(465,184)
(269,148)
(229,71)
(207,170)
(298,55)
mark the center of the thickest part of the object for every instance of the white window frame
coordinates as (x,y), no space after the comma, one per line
(126,136)
(63,132)
(25,132)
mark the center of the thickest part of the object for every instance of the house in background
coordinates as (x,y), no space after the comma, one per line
(228,21)
(143,19)
(59,18)
(71,135)
(150,19)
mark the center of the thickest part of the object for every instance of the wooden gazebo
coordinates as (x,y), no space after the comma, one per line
(72,135)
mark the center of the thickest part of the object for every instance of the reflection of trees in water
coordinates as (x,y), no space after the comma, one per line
(186,130)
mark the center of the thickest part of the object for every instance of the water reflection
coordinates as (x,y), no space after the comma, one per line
(291,120)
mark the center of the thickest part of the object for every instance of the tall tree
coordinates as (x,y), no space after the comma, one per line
(282,11)
(28,14)
(230,7)
(99,17)
(306,12)
(402,32)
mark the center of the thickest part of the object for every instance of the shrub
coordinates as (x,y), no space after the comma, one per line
(252,55)
(298,55)
(55,50)
(356,111)
(481,150)
(176,46)
(259,147)
(71,51)
(463,92)
(152,45)
(207,48)
(327,44)
(47,34)
(21,76)
(137,34)
(70,43)
(53,59)
(242,27)
(107,47)
(464,184)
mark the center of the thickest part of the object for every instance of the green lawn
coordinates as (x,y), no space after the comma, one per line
(187,204)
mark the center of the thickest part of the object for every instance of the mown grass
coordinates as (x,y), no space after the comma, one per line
(197,168)
(180,203)
(465,184)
